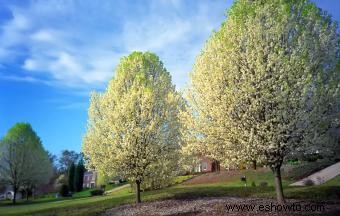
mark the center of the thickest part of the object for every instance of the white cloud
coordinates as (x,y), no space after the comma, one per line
(30,64)
(13,33)
(19,22)
(43,36)
(71,46)
(65,66)
(154,33)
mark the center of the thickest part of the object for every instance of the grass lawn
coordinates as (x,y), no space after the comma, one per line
(236,188)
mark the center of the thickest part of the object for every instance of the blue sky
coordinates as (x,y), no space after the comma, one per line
(53,53)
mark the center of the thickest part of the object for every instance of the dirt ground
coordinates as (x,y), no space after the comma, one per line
(217,206)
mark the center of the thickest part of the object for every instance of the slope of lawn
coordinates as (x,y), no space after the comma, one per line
(333,182)
(233,187)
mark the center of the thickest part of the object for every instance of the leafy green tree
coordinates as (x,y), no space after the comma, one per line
(79,176)
(39,170)
(23,161)
(71,177)
(265,85)
(133,127)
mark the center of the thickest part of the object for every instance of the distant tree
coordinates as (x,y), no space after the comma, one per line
(2,188)
(71,175)
(53,159)
(40,170)
(23,161)
(133,128)
(79,176)
(66,159)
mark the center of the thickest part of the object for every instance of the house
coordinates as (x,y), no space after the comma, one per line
(7,193)
(206,164)
(90,179)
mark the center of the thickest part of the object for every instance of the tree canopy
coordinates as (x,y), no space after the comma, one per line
(66,158)
(265,85)
(133,127)
(23,161)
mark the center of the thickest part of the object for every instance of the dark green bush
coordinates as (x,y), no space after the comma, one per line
(97,192)
(63,190)
(263,184)
(102,187)
(311,157)
(308,182)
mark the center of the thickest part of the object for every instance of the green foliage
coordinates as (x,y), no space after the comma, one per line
(23,161)
(79,176)
(71,179)
(63,190)
(97,192)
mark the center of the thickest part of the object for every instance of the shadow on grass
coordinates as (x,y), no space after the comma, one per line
(87,209)
(199,191)
(317,193)
(313,193)
(37,201)
(49,199)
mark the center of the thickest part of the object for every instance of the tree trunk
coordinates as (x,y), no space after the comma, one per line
(278,185)
(138,191)
(26,194)
(14,195)
(254,164)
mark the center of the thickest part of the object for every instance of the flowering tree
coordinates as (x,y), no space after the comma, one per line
(133,127)
(265,84)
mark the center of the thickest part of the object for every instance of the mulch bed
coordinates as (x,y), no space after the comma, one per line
(217,206)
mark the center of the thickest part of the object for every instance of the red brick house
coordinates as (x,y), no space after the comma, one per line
(207,165)
(90,179)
